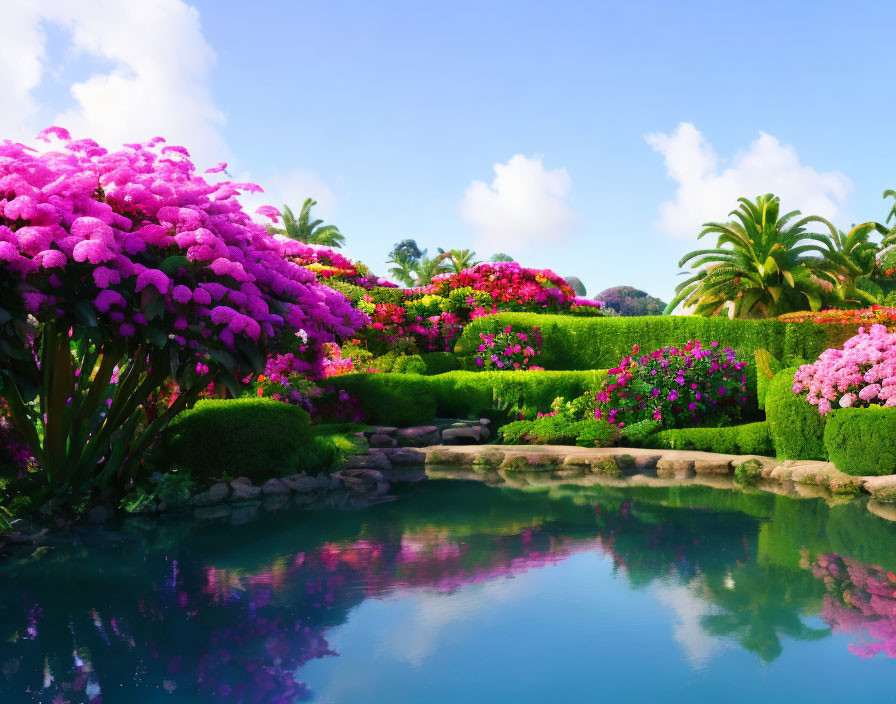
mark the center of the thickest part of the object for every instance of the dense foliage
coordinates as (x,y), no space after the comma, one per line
(675,387)
(747,439)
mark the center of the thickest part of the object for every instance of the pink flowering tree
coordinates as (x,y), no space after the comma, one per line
(862,374)
(122,270)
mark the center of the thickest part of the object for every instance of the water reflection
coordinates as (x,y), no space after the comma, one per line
(211,612)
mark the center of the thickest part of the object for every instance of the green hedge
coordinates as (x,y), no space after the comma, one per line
(862,441)
(399,400)
(796,427)
(411,399)
(599,343)
(749,439)
(553,430)
(252,437)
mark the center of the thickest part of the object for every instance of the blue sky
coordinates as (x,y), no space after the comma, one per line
(616,127)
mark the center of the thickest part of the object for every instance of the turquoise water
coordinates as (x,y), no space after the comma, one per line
(462,593)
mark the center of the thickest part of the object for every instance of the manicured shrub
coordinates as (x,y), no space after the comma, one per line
(399,400)
(795,426)
(689,386)
(255,438)
(862,441)
(410,399)
(748,439)
(409,364)
(440,362)
(599,343)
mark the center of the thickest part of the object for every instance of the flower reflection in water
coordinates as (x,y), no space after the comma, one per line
(861,601)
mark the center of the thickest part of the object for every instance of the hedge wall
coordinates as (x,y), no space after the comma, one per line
(411,399)
(796,427)
(748,439)
(862,441)
(599,343)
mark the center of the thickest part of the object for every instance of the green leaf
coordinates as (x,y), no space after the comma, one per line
(170,265)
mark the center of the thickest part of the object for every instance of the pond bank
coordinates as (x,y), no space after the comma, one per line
(538,465)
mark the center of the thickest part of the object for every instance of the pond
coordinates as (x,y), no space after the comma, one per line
(458,592)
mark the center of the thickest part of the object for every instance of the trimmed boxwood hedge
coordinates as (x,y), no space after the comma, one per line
(572,342)
(796,427)
(252,437)
(862,441)
(748,439)
(411,399)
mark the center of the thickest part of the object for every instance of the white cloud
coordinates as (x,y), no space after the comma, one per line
(22,53)
(158,81)
(524,206)
(708,189)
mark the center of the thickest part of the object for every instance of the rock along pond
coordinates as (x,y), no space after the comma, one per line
(458,592)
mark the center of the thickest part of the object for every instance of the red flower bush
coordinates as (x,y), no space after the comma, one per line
(863,316)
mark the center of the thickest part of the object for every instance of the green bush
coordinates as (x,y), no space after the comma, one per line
(795,426)
(553,430)
(350,291)
(639,434)
(399,400)
(440,362)
(748,439)
(862,441)
(252,437)
(385,294)
(599,343)
(409,364)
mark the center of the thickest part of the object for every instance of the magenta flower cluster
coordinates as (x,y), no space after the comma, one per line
(509,349)
(154,248)
(862,374)
(677,387)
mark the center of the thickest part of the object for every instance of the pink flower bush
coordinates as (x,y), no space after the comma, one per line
(677,387)
(862,374)
(132,259)
(509,349)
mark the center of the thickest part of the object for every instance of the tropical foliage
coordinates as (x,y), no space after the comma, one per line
(763,264)
(304,229)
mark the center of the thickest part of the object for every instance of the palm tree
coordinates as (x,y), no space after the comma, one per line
(405,269)
(760,264)
(430,267)
(852,258)
(305,230)
(460,259)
